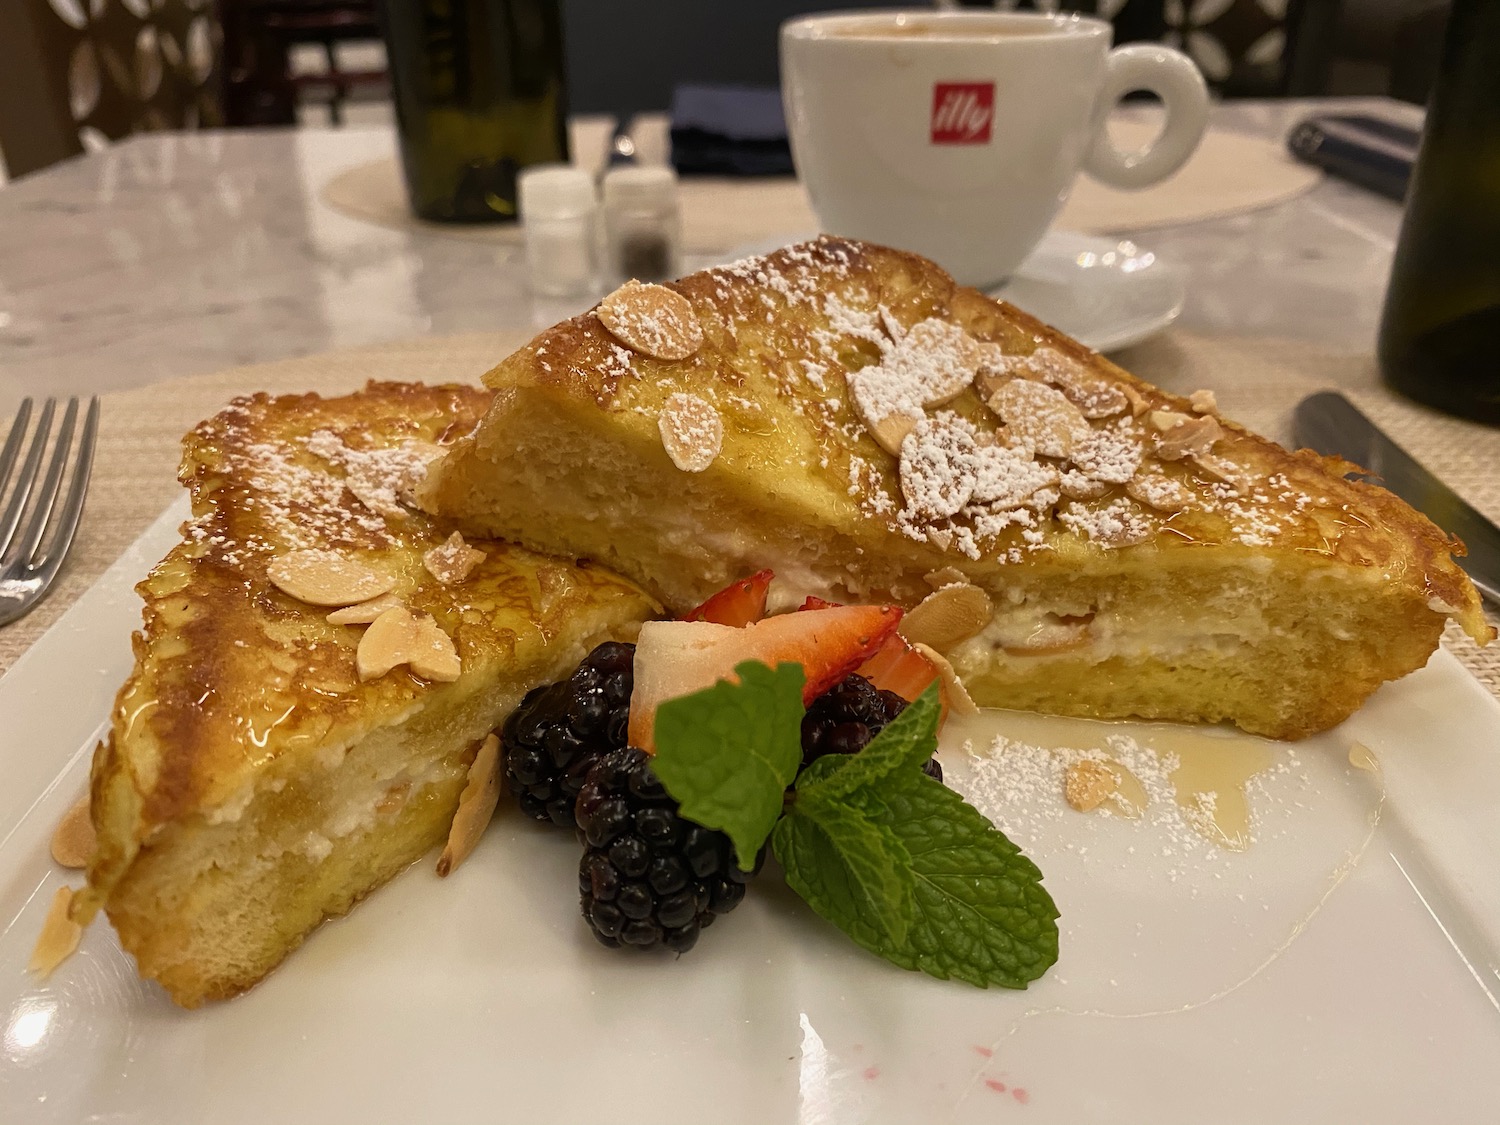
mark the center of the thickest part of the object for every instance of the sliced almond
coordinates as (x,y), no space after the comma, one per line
(1081,486)
(364,612)
(1218,468)
(947,617)
(1049,636)
(1159,491)
(959,700)
(59,937)
(1139,404)
(1087,784)
(386,644)
(1165,420)
(434,656)
(941,359)
(452,561)
(937,466)
(652,320)
(940,537)
(692,432)
(73,841)
(946,576)
(476,806)
(1204,402)
(1006,477)
(1191,437)
(320,577)
(1039,418)
(890,431)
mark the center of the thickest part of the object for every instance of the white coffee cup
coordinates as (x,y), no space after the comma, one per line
(958,135)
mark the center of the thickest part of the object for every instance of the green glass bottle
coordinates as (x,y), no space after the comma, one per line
(1440,333)
(480,94)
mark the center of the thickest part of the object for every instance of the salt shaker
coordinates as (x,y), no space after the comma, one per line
(642,222)
(560,217)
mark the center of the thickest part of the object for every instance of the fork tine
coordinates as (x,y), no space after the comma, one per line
(17,505)
(41,512)
(13,443)
(72,509)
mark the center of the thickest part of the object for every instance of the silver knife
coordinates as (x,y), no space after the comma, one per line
(1330,424)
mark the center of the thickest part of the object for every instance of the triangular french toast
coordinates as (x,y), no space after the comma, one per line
(1081,542)
(275,757)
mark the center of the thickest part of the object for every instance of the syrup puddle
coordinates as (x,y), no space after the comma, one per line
(1212,855)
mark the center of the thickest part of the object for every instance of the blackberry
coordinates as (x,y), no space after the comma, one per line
(558,732)
(648,876)
(847,716)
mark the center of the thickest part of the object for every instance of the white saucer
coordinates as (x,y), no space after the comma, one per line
(1104,292)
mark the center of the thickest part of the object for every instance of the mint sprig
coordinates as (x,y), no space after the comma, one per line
(727,753)
(895,859)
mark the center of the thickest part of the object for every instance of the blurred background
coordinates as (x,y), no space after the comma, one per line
(79,74)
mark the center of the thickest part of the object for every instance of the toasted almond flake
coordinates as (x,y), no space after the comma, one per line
(1204,402)
(73,840)
(946,576)
(1165,420)
(959,700)
(59,937)
(691,431)
(937,466)
(947,617)
(399,637)
(941,357)
(1007,477)
(889,432)
(1087,784)
(1050,636)
(940,537)
(1039,418)
(1193,436)
(652,320)
(434,656)
(364,612)
(1081,486)
(1139,404)
(476,806)
(1159,491)
(321,577)
(452,561)
(1218,468)
(386,644)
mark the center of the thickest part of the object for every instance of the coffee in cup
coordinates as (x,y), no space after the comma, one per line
(958,135)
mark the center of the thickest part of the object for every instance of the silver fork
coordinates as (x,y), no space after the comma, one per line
(27,568)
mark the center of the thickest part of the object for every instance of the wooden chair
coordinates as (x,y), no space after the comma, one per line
(82,72)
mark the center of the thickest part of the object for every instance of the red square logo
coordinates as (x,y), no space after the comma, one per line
(962,112)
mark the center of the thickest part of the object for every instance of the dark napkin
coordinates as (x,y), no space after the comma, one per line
(729,131)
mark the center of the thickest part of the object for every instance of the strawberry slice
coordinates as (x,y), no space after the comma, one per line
(676,658)
(815,602)
(900,668)
(737,604)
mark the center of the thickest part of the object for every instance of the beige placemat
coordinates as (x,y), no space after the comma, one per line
(1230,173)
(1257,381)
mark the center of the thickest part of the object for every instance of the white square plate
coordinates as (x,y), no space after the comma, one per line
(1344,968)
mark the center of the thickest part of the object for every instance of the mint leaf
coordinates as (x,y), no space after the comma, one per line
(907,741)
(852,871)
(980,913)
(726,754)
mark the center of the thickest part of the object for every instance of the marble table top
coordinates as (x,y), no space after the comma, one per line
(174,254)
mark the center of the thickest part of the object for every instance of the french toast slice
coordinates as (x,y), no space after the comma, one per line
(848,416)
(257,779)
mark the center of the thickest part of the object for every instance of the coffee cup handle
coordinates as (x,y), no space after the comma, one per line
(1172,77)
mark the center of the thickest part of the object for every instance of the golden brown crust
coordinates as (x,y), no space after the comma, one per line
(235,678)
(781,334)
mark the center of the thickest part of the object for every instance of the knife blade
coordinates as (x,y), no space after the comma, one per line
(1331,424)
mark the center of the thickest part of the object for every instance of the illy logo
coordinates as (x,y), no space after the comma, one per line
(962,112)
